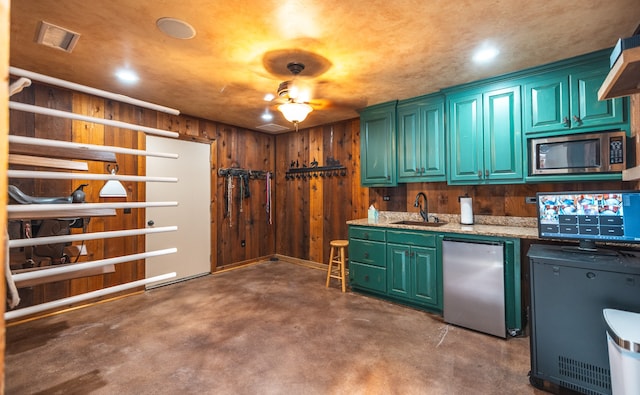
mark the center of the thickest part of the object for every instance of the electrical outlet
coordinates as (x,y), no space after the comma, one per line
(531,200)
(242,243)
(386,198)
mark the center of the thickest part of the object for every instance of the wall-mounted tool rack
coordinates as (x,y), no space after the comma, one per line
(332,169)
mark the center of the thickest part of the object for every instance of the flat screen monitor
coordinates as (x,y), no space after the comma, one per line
(590,217)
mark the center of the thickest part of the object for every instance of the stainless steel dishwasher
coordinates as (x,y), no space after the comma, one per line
(473,290)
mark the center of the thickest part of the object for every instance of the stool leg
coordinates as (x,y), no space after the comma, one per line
(342,264)
(330,264)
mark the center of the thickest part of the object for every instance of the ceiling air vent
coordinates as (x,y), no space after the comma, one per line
(56,37)
(272,127)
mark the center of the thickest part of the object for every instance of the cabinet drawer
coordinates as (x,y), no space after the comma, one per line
(371,252)
(366,233)
(369,277)
(421,239)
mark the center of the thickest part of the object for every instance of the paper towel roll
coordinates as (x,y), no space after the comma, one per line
(466,211)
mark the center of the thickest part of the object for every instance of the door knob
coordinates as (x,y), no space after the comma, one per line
(150,222)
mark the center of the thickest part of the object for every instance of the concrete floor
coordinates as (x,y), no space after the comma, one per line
(269,328)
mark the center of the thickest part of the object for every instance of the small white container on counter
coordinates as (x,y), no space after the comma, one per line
(466,210)
(373,215)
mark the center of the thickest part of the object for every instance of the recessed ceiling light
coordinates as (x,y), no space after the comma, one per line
(269,97)
(127,75)
(266,116)
(176,28)
(485,54)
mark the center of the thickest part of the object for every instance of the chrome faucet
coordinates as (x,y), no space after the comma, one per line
(424,213)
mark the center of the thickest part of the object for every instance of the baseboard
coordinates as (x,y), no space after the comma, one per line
(241,264)
(301,262)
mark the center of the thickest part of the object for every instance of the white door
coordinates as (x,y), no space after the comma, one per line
(192,215)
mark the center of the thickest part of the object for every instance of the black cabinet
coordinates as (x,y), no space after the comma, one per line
(569,290)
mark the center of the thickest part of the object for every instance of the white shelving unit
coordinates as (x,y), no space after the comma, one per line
(44,211)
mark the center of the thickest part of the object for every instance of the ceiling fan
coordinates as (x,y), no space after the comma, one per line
(294,96)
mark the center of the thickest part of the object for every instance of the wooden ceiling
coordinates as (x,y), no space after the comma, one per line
(357,52)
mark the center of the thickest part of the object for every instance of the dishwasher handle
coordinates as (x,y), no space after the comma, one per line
(489,242)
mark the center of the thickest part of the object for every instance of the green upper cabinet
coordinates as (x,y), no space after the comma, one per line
(421,139)
(485,136)
(378,145)
(566,101)
(587,110)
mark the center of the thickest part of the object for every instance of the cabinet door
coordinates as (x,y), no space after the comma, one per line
(586,109)
(432,140)
(547,104)
(425,283)
(378,145)
(466,154)
(398,270)
(409,161)
(502,135)
(421,142)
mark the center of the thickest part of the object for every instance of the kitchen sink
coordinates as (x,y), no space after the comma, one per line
(420,223)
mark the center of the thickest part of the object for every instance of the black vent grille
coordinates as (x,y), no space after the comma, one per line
(594,377)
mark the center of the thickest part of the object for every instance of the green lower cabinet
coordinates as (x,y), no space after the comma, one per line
(397,265)
(368,277)
(412,273)
(367,259)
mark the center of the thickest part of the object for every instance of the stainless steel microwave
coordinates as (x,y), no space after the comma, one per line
(578,153)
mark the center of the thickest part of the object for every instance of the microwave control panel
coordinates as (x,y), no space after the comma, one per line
(616,150)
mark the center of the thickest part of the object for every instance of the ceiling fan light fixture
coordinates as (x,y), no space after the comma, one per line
(295,112)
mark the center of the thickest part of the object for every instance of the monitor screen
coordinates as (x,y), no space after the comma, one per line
(606,216)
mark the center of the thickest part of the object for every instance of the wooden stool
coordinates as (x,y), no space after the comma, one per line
(337,257)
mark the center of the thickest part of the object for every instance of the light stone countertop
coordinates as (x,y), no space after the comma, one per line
(516,227)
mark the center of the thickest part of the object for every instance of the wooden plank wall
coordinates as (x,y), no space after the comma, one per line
(314,211)
(253,151)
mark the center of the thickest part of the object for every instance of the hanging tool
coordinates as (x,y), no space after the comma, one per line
(268,198)
(229,198)
(247,192)
(241,191)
